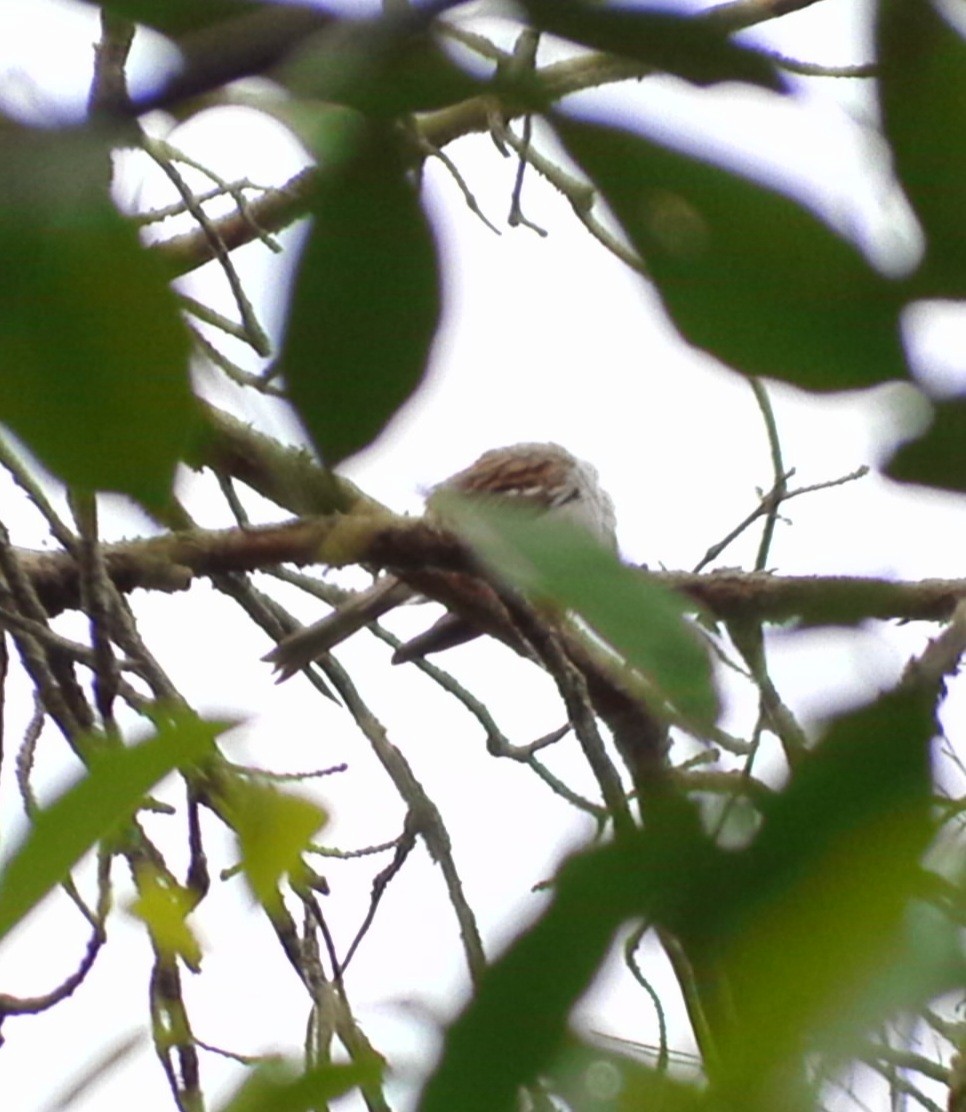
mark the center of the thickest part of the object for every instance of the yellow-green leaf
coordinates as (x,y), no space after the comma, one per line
(103,797)
(274,829)
(164,907)
(279,1087)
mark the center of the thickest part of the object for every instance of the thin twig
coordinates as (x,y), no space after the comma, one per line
(380,883)
(26,480)
(581,196)
(420,808)
(779,475)
(765,504)
(572,686)
(630,960)
(179,208)
(816,69)
(207,315)
(285,777)
(98,599)
(468,196)
(223,187)
(351,854)
(253,332)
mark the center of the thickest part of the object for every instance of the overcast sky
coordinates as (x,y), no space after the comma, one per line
(544,338)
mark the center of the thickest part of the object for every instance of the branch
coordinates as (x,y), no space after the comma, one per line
(425,557)
(815,599)
(288,476)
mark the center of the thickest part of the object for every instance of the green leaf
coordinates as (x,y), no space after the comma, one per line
(176,17)
(788,939)
(220,41)
(555,560)
(380,67)
(694,48)
(164,908)
(516,1024)
(277,1087)
(939,457)
(105,796)
(274,829)
(817,928)
(922,91)
(366,301)
(93,371)
(745,272)
(591,1079)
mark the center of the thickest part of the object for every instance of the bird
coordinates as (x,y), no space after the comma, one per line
(543,476)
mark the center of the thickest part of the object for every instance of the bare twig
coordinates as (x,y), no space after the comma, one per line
(468,196)
(98,599)
(252,331)
(171,1031)
(581,196)
(380,882)
(630,960)
(816,69)
(422,812)
(779,476)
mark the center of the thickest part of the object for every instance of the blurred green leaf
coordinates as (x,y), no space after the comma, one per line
(174,17)
(922,91)
(278,1087)
(220,41)
(105,796)
(746,273)
(686,46)
(379,67)
(516,1024)
(938,458)
(555,560)
(788,938)
(592,1079)
(827,886)
(164,908)
(366,301)
(93,373)
(274,829)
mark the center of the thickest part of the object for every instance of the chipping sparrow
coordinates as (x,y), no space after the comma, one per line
(544,476)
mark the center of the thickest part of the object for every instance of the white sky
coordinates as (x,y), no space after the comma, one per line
(543,338)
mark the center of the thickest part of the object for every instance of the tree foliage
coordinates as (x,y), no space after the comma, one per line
(795,949)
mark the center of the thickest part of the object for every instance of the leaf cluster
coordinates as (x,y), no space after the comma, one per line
(825,922)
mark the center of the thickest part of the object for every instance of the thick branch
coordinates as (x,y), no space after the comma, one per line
(290,477)
(420,554)
(439,566)
(817,599)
